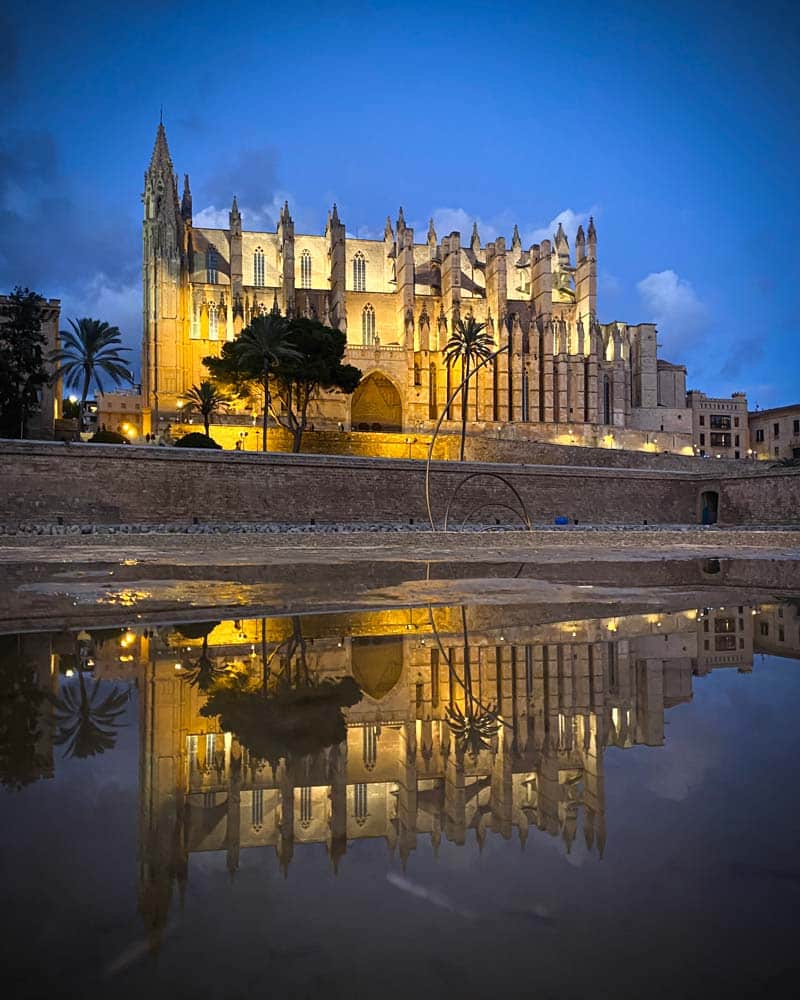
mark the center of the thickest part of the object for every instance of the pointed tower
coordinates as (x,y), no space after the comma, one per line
(286,258)
(516,242)
(236,312)
(164,278)
(475,240)
(337,250)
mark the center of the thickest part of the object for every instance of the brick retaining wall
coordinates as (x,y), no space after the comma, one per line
(124,484)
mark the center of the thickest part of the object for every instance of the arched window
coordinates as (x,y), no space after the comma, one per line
(359,273)
(258,268)
(213,330)
(212,265)
(368,324)
(305,269)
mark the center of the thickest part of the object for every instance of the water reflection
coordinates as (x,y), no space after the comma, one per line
(397,725)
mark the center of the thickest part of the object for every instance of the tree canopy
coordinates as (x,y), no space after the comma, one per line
(22,362)
(90,351)
(295,380)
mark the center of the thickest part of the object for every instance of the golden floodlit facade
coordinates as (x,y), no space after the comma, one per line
(564,375)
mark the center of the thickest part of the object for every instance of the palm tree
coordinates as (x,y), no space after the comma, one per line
(91,349)
(87,718)
(263,345)
(206,399)
(472,345)
(475,728)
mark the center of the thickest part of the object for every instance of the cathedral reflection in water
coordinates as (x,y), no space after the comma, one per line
(458,727)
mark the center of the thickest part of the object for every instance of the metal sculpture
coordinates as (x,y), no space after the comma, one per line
(522,513)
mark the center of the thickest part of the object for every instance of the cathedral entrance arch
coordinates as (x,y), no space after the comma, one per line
(376,405)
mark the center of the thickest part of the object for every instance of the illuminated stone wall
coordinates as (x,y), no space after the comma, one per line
(121,484)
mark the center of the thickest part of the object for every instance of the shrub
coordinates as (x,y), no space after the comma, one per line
(196,440)
(107,437)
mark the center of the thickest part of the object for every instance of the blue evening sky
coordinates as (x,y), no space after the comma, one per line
(675,124)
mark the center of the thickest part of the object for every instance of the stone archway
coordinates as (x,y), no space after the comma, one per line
(376,405)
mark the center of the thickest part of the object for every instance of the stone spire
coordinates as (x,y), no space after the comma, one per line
(561,238)
(388,232)
(335,215)
(475,241)
(235,219)
(432,241)
(580,245)
(186,200)
(516,242)
(591,238)
(401,220)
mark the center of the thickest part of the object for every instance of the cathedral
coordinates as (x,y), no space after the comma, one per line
(562,375)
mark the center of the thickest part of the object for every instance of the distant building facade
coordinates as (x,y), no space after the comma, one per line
(719,426)
(562,376)
(42,424)
(775,433)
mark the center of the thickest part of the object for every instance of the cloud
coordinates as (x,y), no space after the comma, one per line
(672,303)
(568,218)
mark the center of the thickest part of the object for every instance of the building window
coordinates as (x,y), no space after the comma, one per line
(759,435)
(720,422)
(213,327)
(212,265)
(735,421)
(417,372)
(702,439)
(359,273)
(305,269)
(305,806)
(781,634)
(702,420)
(258,268)
(368,324)
(776,430)
(763,628)
(370,746)
(720,440)
(724,643)
(736,440)
(796,427)
(433,409)
(360,803)
(257,809)
(525,395)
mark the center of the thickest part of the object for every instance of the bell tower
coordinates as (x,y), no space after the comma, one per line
(162,241)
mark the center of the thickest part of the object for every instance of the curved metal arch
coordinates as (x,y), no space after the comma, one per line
(496,504)
(486,475)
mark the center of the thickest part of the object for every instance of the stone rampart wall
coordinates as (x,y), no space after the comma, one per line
(128,484)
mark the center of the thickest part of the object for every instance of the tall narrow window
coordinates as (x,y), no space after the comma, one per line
(213,329)
(435,678)
(606,400)
(433,409)
(359,273)
(370,747)
(525,392)
(305,806)
(368,324)
(257,809)
(212,265)
(258,268)
(360,803)
(305,269)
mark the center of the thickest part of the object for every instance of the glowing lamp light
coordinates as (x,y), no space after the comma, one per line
(73,399)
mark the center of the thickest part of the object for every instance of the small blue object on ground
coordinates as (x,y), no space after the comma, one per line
(561,519)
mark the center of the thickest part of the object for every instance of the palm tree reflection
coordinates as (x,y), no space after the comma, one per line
(87,717)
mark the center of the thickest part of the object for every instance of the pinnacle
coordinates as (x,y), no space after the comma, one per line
(161,158)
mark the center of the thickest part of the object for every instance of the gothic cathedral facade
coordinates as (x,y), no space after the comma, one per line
(562,376)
